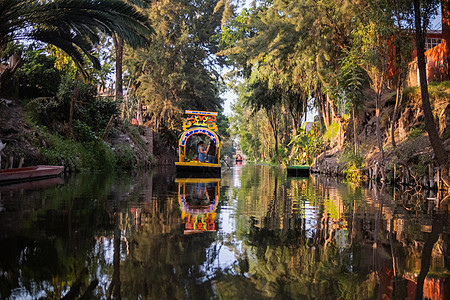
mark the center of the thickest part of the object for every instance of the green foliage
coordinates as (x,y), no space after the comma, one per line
(352,163)
(47,111)
(87,152)
(98,156)
(249,129)
(352,80)
(176,72)
(416,132)
(94,155)
(82,132)
(73,26)
(332,132)
(92,113)
(126,157)
(97,111)
(38,76)
(305,146)
(86,90)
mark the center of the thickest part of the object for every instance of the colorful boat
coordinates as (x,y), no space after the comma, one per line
(298,171)
(239,157)
(198,123)
(29,173)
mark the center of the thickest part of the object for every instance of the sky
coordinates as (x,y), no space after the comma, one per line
(230,97)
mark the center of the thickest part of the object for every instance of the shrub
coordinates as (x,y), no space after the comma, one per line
(82,132)
(352,163)
(93,155)
(331,132)
(125,157)
(38,76)
(46,111)
(415,132)
(305,146)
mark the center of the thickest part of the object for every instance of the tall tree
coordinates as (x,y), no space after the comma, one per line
(261,97)
(371,41)
(119,44)
(401,40)
(177,72)
(422,12)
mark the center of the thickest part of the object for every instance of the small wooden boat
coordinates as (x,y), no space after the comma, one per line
(29,173)
(198,123)
(298,171)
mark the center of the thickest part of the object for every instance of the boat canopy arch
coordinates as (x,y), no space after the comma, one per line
(193,131)
(198,130)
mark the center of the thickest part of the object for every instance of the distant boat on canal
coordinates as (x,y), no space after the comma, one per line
(239,157)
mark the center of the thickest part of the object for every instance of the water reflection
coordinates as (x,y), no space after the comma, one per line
(198,198)
(255,233)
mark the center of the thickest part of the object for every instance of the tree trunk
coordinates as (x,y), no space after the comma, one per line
(398,100)
(321,109)
(329,109)
(355,135)
(445,5)
(378,125)
(118,46)
(286,127)
(73,100)
(430,126)
(272,115)
(8,74)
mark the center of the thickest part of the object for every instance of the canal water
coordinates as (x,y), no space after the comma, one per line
(253,234)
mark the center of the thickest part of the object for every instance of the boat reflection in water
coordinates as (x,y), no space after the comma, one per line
(198,199)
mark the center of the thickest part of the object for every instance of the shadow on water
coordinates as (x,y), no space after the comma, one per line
(255,233)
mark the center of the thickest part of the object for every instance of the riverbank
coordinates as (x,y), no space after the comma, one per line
(28,143)
(129,147)
(411,161)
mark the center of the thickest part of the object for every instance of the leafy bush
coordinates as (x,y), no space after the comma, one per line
(126,158)
(82,132)
(305,146)
(86,90)
(415,132)
(99,156)
(331,132)
(91,115)
(94,155)
(47,111)
(38,76)
(352,163)
(97,111)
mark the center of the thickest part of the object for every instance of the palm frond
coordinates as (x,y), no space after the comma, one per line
(74,24)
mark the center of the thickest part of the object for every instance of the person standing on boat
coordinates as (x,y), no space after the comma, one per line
(211,152)
(201,151)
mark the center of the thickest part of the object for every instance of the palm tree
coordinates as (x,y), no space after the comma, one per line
(71,25)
